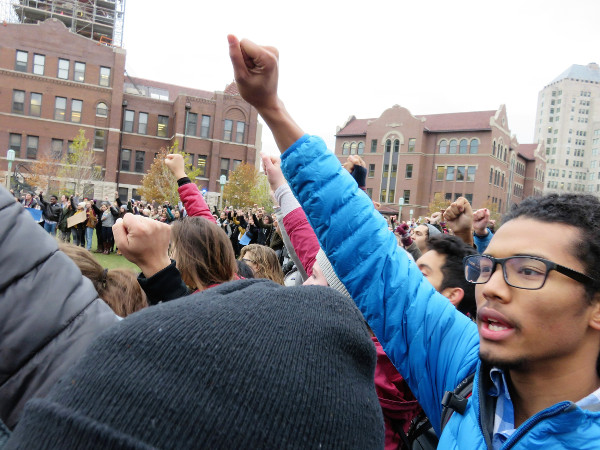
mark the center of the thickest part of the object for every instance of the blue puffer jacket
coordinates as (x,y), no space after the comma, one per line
(433,346)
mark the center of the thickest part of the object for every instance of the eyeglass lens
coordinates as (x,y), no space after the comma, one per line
(527,273)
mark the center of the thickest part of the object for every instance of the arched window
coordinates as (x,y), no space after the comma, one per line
(101,110)
(474,146)
(453,146)
(388,146)
(353,148)
(361,148)
(463,146)
(491,175)
(346,148)
(396,146)
(443,146)
(494,149)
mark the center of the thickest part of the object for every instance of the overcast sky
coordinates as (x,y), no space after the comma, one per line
(339,59)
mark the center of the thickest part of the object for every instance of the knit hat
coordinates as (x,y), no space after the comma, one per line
(432,230)
(329,273)
(247,364)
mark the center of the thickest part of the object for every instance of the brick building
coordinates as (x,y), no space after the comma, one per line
(54,82)
(411,158)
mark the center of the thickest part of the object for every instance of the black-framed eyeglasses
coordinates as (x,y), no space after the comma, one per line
(523,272)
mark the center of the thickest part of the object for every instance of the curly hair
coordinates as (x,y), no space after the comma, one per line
(454,249)
(576,210)
(266,262)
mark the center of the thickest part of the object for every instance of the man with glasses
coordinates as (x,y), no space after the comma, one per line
(535,346)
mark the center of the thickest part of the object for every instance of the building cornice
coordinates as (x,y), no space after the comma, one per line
(58,81)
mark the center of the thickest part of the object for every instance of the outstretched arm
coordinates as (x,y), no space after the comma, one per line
(256,71)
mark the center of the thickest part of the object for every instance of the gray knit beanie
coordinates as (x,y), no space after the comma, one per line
(432,230)
(247,364)
(330,275)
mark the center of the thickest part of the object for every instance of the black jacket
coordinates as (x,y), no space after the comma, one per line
(50,211)
(49,313)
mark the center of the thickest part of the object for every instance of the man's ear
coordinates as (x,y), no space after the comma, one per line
(595,313)
(454,294)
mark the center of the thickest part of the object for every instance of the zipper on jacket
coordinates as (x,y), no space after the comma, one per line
(534,420)
(486,436)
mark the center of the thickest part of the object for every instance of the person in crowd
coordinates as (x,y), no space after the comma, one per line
(78,230)
(402,231)
(29,201)
(90,224)
(63,226)
(109,213)
(422,233)
(99,237)
(249,364)
(50,312)
(50,212)
(263,262)
(470,226)
(224,223)
(534,348)
(117,287)
(265,227)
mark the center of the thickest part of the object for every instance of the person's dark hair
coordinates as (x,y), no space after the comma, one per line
(454,249)
(576,210)
(202,252)
(119,288)
(54,197)
(243,269)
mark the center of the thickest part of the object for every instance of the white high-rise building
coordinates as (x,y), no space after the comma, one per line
(568,122)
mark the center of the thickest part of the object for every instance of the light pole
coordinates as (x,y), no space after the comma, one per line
(10,157)
(223,182)
(400,204)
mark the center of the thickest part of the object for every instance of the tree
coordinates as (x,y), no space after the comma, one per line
(79,164)
(438,204)
(44,172)
(243,187)
(261,193)
(159,183)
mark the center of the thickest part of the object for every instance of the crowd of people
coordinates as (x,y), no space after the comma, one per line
(450,332)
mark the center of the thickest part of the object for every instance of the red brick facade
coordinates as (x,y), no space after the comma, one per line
(458,154)
(46,59)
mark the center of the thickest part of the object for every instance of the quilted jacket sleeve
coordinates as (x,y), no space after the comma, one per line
(49,312)
(431,344)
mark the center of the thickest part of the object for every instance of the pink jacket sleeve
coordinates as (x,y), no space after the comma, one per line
(303,238)
(194,202)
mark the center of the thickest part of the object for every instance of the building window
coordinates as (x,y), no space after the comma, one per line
(128,119)
(57,148)
(393,171)
(201,165)
(104,76)
(491,175)
(236,163)
(448,196)
(462,149)
(14,143)
(189,159)
(406,196)
(474,146)
(192,124)
(60,108)
(361,148)
(370,192)
(460,173)
(440,172)
(471,173)
(373,145)
(396,146)
(391,196)
(227,129)
(142,123)
(450,174)
(388,146)
(35,104)
(453,146)
(240,131)
(163,126)
(125,159)
(101,110)
(353,148)
(457,195)
(383,195)
(443,146)
(346,148)
(99,139)
(21,61)
(412,143)
(18,104)
(225,167)
(39,61)
(371,170)
(205,127)
(409,170)
(79,72)
(386,169)
(139,161)
(76,107)
(32,146)
(63,69)
(469,198)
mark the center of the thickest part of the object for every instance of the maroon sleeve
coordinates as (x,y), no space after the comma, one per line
(193,202)
(302,237)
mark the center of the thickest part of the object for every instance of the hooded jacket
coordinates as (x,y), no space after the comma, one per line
(49,312)
(433,345)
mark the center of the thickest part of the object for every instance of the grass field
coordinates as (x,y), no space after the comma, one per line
(112,261)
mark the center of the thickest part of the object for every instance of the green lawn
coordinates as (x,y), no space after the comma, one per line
(112,261)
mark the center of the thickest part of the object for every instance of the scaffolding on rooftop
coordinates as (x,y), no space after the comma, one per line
(100,20)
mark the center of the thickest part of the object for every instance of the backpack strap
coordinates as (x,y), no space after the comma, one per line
(456,400)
